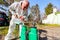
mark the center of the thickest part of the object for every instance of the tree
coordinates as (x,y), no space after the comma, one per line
(30,17)
(49,9)
(9,2)
(35,13)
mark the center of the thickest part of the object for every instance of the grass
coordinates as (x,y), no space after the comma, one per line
(49,25)
(1,2)
(4,29)
(57,13)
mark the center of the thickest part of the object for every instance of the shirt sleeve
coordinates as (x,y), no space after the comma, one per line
(19,10)
(12,8)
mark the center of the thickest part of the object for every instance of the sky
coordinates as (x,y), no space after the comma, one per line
(43,3)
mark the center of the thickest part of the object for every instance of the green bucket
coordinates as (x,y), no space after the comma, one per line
(23,33)
(33,35)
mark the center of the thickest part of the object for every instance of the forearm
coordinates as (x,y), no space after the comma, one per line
(11,11)
(12,8)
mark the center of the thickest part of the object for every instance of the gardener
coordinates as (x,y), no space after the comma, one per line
(19,11)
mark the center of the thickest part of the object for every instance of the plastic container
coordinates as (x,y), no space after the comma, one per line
(23,32)
(33,35)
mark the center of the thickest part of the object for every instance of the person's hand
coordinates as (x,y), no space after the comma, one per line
(23,18)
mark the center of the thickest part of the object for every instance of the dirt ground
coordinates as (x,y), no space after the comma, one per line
(53,33)
(46,33)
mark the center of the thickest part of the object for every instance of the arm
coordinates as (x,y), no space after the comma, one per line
(12,8)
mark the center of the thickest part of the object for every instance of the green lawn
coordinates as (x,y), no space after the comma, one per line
(1,2)
(49,25)
(4,30)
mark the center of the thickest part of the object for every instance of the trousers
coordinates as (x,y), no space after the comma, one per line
(12,26)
